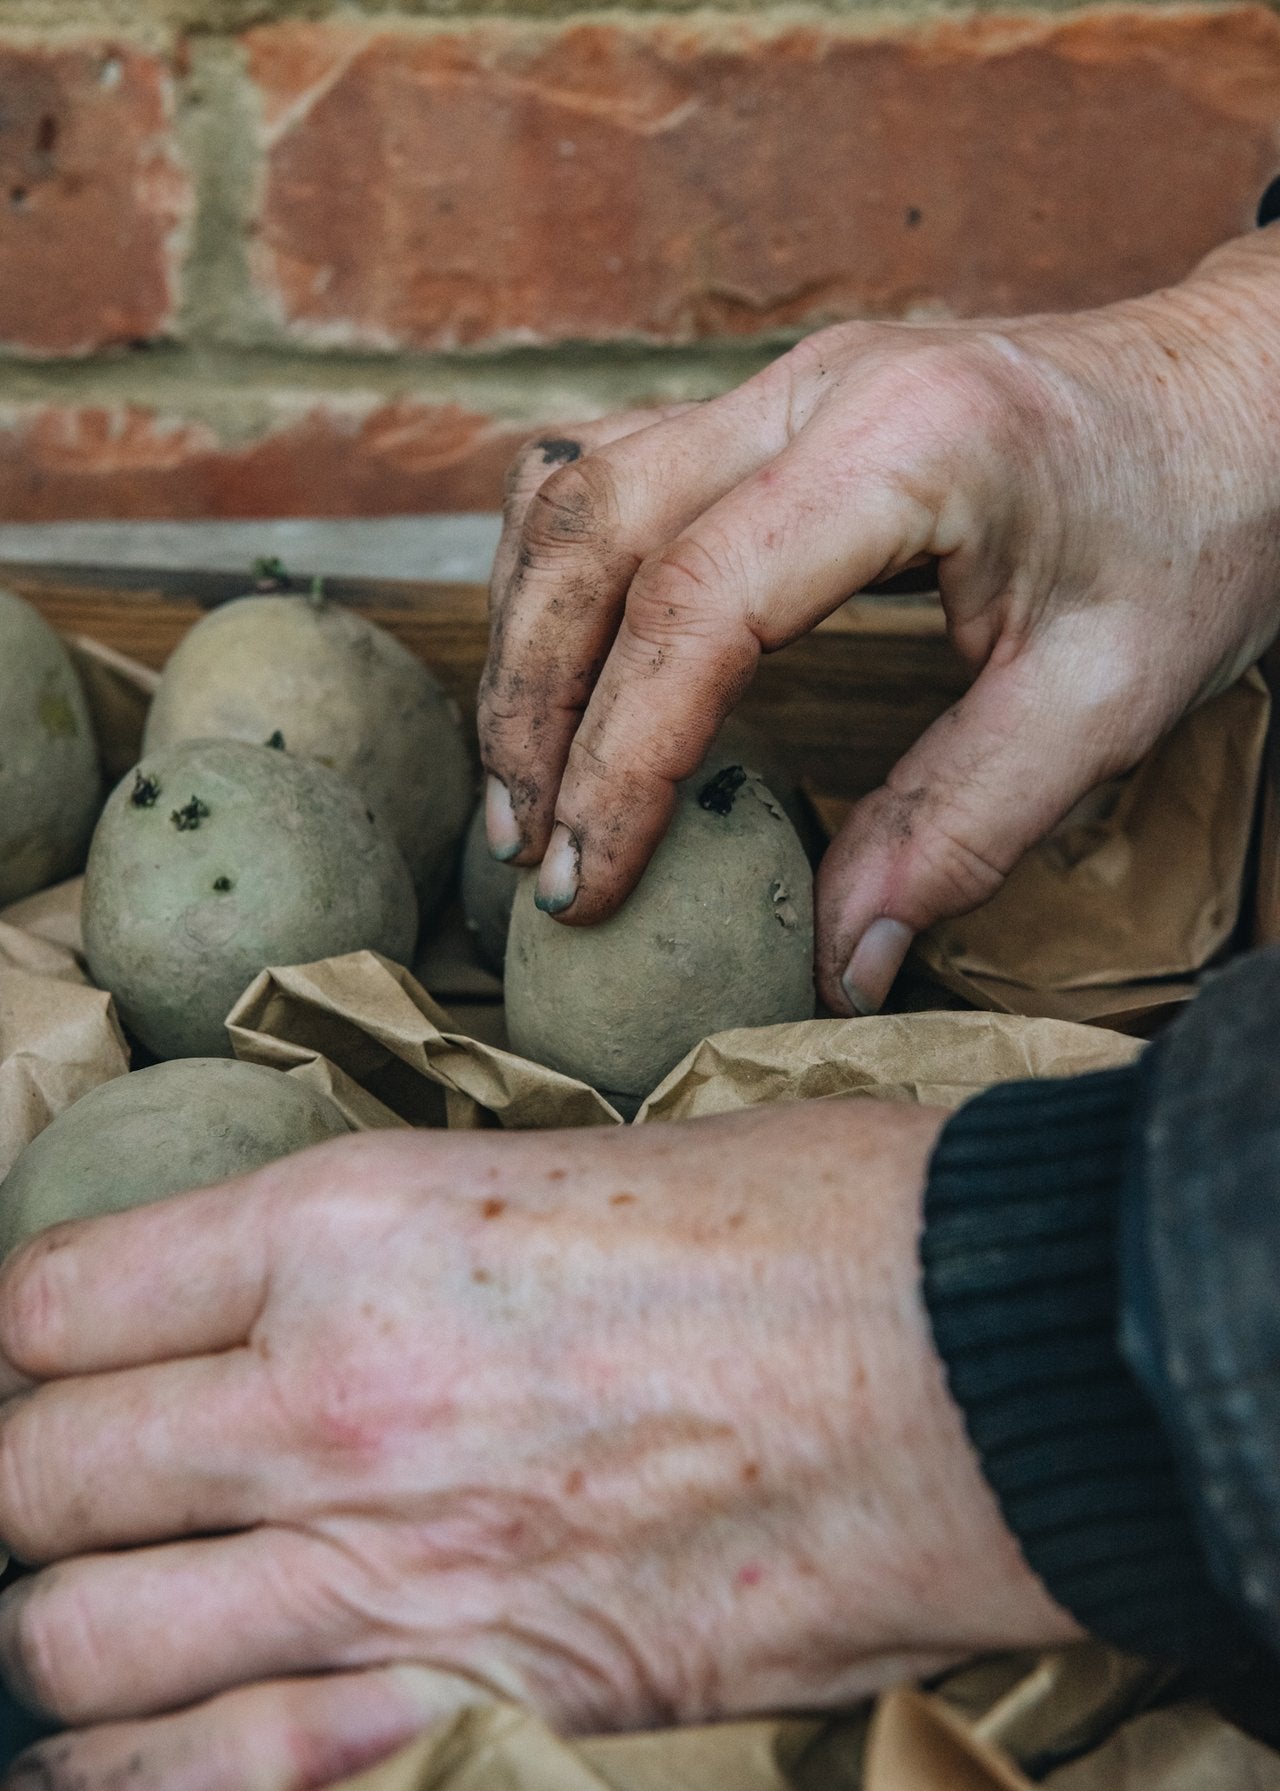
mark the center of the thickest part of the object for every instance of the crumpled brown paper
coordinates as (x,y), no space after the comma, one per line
(939,1059)
(1112,917)
(376,1024)
(913,1741)
(371,1023)
(119,693)
(58,1037)
(371,1036)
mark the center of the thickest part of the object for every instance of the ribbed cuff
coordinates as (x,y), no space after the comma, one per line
(1020,1254)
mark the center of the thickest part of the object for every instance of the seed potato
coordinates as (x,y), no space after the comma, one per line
(717,934)
(488,890)
(489,886)
(331,686)
(50,786)
(215,859)
(157,1132)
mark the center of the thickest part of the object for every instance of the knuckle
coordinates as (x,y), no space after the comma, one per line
(20,1499)
(676,592)
(921,378)
(953,874)
(571,508)
(963,388)
(32,1299)
(50,1657)
(341,1418)
(816,355)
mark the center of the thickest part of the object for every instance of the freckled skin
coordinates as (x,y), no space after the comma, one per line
(550,1454)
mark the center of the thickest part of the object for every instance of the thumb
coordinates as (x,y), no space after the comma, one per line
(991,777)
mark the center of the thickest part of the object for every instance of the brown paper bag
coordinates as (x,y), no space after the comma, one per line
(58,1037)
(119,693)
(372,1020)
(1113,916)
(918,1741)
(939,1059)
(369,1020)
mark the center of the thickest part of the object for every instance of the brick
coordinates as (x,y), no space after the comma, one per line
(93,197)
(373,458)
(678,180)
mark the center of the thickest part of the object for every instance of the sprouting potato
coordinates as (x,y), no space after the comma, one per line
(214,860)
(489,886)
(717,934)
(157,1132)
(325,683)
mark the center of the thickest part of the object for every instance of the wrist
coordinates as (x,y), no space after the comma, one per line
(865,1447)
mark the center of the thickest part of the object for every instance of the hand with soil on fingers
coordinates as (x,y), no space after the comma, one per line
(1100,491)
(408,1421)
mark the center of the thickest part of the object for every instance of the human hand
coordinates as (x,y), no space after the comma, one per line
(1101,492)
(636,1426)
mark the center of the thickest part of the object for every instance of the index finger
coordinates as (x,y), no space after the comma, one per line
(758,569)
(537,462)
(586,530)
(182,1277)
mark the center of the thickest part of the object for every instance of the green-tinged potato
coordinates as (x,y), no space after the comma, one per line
(717,934)
(489,886)
(488,890)
(158,1132)
(329,685)
(214,860)
(49,782)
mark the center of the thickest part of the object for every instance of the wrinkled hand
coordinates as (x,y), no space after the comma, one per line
(1102,495)
(635,1426)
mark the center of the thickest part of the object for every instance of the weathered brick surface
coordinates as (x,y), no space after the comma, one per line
(335,459)
(680,180)
(93,197)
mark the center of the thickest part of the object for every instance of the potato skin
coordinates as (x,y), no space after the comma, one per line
(157,1132)
(488,891)
(214,860)
(489,886)
(339,689)
(718,933)
(50,786)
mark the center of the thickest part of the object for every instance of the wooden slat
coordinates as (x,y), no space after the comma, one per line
(842,704)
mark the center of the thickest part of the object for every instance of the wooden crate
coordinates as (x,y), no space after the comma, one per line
(841,704)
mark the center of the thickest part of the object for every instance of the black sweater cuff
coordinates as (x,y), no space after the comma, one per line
(1020,1255)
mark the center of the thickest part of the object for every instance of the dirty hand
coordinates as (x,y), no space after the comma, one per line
(1101,492)
(636,1426)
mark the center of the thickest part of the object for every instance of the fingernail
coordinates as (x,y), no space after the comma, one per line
(558,878)
(500,820)
(877,959)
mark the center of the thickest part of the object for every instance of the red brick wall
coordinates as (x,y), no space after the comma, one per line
(341,266)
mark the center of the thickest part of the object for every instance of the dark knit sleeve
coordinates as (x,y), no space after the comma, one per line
(1021,1255)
